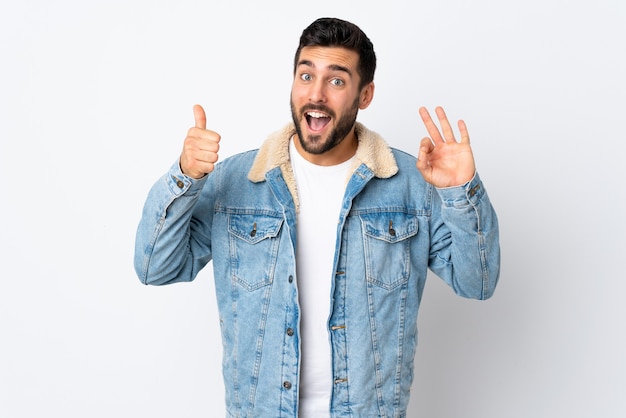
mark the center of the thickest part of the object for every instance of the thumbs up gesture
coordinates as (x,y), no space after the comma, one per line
(200,148)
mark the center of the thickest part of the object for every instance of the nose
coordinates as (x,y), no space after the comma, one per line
(317,92)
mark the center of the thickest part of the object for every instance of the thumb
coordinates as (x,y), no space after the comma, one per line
(199,116)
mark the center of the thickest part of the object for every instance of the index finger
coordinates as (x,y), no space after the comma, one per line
(199,116)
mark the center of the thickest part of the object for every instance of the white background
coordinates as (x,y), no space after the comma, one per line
(96,98)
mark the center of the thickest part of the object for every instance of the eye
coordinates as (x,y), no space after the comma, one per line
(337,82)
(305,77)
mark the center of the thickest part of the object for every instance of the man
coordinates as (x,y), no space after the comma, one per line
(321,241)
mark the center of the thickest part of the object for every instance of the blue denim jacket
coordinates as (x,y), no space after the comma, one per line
(393,226)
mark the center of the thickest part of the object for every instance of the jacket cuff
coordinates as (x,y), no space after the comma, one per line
(180,184)
(470,192)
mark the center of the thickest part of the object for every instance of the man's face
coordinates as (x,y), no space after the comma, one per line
(325,97)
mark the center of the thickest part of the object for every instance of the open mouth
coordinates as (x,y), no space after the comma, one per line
(317,121)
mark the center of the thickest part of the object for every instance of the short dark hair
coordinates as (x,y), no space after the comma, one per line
(331,32)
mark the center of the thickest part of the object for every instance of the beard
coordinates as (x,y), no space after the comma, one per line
(315,144)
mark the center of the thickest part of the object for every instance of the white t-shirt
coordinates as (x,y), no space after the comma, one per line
(320,191)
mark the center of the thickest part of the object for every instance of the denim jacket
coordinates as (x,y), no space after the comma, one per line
(393,226)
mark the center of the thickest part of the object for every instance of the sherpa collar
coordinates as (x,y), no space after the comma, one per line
(372,151)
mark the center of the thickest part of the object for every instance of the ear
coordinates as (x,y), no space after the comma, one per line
(366,96)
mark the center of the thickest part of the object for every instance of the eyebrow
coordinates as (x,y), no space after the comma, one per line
(332,67)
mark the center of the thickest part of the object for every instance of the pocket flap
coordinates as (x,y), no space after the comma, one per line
(254,228)
(389,226)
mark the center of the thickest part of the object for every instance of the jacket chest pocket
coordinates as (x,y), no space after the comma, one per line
(386,239)
(253,241)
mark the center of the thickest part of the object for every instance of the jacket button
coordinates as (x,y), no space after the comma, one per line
(290,332)
(179,182)
(474,189)
(287,385)
(290,279)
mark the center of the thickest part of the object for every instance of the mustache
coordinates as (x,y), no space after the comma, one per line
(319,108)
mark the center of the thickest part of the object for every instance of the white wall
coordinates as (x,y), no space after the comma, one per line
(96,97)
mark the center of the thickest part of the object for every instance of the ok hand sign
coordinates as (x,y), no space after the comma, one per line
(443,161)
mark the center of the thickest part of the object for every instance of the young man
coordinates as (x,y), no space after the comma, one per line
(321,241)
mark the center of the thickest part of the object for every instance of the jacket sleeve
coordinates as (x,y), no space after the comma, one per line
(465,246)
(171,244)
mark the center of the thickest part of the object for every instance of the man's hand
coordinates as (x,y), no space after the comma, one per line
(443,161)
(200,147)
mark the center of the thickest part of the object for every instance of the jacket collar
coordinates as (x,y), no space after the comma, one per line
(372,151)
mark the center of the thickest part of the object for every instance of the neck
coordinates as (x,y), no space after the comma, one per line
(342,152)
